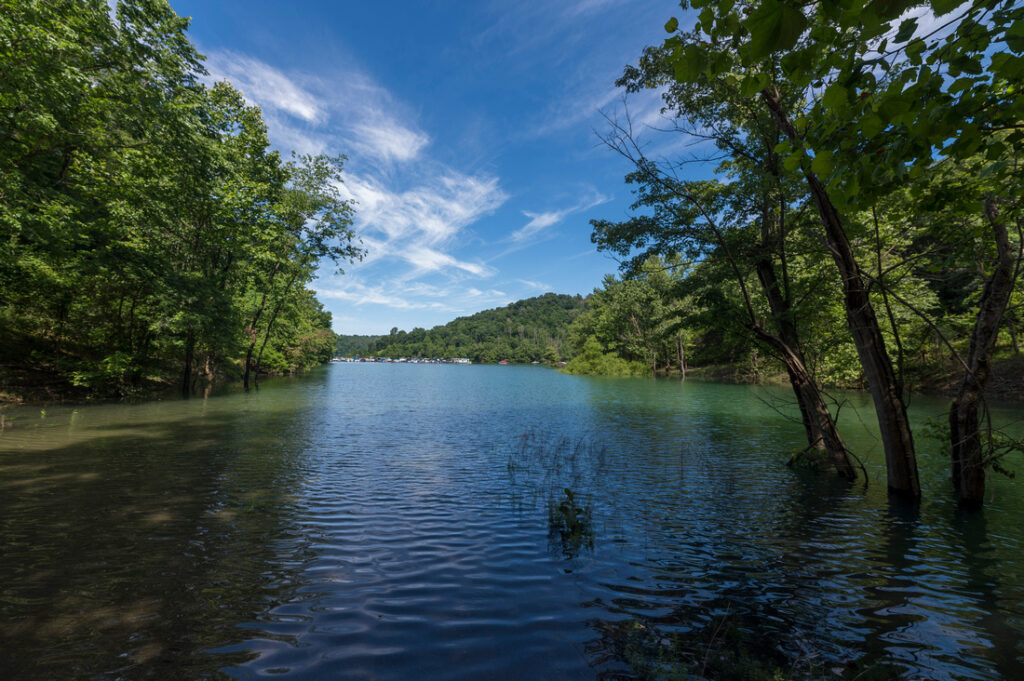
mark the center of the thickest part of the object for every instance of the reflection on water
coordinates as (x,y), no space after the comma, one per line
(373,521)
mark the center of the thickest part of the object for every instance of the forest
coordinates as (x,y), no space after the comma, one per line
(531,330)
(149,236)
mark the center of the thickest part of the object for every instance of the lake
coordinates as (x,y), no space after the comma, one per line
(374,521)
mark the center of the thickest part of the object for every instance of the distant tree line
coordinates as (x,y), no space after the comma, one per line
(147,231)
(531,330)
(354,345)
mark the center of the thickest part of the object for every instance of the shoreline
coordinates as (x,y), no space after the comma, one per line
(1006,384)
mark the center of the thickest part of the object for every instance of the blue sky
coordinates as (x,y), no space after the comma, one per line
(470,129)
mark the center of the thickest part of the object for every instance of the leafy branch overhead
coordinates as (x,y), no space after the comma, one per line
(888,88)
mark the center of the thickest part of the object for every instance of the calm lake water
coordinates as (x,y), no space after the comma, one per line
(411,521)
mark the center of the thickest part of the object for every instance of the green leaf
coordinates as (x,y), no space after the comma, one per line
(707,19)
(835,98)
(1015,43)
(792,161)
(960,84)
(893,106)
(993,168)
(995,150)
(871,125)
(672,25)
(891,9)
(1016,30)
(774,27)
(822,163)
(689,64)
(796,63)
(753,84)
(1008,66)
(906,32)
(749,86)
(914,50)
(941,7)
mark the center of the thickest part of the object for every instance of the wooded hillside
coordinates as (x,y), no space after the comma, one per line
(530,330)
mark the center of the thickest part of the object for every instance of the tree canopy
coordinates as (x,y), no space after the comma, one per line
(147,229)
(530,330)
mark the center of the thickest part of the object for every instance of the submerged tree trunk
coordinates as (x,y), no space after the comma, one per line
(787,336)
(818,422)
(964,423)
(819,426)
(887,394)
(251,330)
(1012,328)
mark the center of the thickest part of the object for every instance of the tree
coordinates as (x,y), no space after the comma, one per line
(706,219)
(312,223)
(882,108)
(146,228)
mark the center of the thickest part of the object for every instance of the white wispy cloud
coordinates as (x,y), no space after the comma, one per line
(393,295)
(308,114)
(576,9)
(265,85)
(358,294)
(429,260)
(388,140)
(576,109)
(540,286)
(541,221)
(411,222)
(418,224)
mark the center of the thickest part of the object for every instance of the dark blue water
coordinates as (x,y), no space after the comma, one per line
(410,521)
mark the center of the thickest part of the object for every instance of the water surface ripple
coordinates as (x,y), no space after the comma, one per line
(396,522)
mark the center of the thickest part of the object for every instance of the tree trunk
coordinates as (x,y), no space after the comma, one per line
(819,426)
(682,357)
(897,439)
(270,326)
(186,374)
(964,427)
(251,330)
(818,422)
(248,364)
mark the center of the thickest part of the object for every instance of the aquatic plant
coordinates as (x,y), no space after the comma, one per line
(571,525)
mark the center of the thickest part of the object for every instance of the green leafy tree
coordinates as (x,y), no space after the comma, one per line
(863,111)
(143,216)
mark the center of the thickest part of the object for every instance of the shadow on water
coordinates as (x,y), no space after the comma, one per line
(985,573)
(132,550)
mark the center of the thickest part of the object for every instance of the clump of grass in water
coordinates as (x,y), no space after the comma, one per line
(543,464)
(560,472)
(571,524)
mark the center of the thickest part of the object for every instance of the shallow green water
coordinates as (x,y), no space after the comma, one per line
(397,521)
